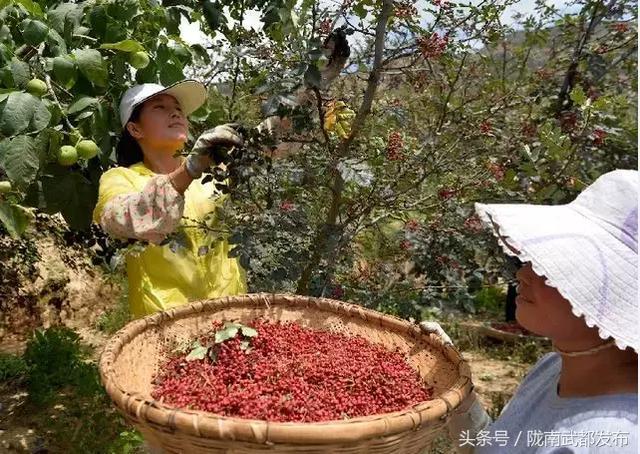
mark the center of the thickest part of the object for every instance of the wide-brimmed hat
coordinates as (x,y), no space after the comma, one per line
(587,249)
(191,94)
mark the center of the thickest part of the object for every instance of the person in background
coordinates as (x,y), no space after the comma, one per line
(154,191)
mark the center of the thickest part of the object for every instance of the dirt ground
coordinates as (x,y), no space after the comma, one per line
(62,287)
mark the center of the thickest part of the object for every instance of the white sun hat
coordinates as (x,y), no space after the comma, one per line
(191,94)
(587,249)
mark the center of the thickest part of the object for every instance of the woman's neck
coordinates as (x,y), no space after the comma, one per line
(609,371)
(162,162)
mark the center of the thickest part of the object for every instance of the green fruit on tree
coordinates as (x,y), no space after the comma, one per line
(37,87)
(139,60)
(87,149)
(67,156)
(5,186)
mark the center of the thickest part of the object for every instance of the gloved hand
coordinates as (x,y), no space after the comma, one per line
(212,147)
(435,328)
(469,417)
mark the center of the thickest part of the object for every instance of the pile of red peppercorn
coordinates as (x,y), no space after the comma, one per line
(285,372)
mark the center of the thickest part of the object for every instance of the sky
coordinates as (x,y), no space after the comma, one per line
(191,33)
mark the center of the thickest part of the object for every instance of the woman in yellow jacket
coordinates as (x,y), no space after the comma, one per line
(154,191)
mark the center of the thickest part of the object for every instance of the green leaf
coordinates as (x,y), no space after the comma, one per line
(20,72)
(31,7)
(6,78)
(61,15)
(4,93)
(34,31)
(64,71)
(56,43)
(92,66)
(200,115)
(360,10)
(20,160)
(41,117)
(148,74)
(546,192)
(578,96)
(23,111)
(270,15)
(197,352)
(355,172)
(170,73)
(85,114)
(81,104)
(214,15)
(123,10)
(128,45)
(201,53)
(556,143)
(244,346)
(312,76)
(248,331)
(226,333)
(602,103)
(14,218)
(71,194)
(531,155)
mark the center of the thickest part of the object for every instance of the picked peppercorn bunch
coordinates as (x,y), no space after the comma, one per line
(395,145)
(285,372)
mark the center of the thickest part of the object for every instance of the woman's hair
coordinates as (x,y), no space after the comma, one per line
(128,150)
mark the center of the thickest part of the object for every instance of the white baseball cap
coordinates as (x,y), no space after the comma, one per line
(191,94)
(587,249)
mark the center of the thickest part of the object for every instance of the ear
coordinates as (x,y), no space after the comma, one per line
(134,130)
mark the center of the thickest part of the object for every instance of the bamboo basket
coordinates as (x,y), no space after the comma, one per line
(132,357)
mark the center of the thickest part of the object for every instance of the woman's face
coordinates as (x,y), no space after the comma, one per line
(544,311)
(162,126)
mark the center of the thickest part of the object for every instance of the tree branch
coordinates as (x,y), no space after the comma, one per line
(570,76)
(338,183)
(452,86)
(374,76)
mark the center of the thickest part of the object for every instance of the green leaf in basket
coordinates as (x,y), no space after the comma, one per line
(228,332)
(247,331)
(198,352)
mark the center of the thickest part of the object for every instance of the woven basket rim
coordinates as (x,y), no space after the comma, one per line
(209,425)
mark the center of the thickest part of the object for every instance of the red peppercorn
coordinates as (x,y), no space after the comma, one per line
(598,136)
(486,128)
(405,10)
(292,373)
(432,46)
(287,206)
(395,144)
